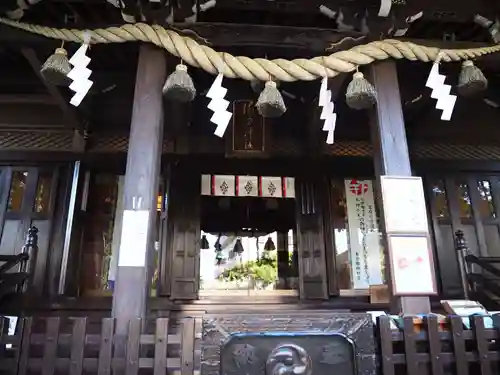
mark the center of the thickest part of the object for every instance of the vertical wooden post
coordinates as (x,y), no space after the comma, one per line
(140,189)
(391,156)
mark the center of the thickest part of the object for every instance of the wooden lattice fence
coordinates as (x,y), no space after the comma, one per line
(51,346)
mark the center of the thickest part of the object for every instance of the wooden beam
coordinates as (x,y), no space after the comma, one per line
(103,79)
(140,189)
(26,99)
(313,41)
(69,113)
(391,155)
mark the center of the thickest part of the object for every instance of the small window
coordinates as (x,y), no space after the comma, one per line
(464,202)
(17,189)
(440,200)
(486,205)
(43,192)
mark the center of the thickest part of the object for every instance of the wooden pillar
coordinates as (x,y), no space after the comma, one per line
(140,190)
(391,156)
(282,260)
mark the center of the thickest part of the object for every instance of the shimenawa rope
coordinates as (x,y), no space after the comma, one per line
(206,58)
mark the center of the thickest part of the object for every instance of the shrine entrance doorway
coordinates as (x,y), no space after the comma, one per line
(248,247)
(243,235)
(248,236)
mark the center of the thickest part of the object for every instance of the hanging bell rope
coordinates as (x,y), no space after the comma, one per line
(360,93)
(270,103)
(56,67)
(243,67)
(179,85)
(471,80)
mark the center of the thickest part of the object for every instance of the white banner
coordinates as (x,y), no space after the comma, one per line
(223,185)
(271,187)
(288,187)
(364,236)
(247,186)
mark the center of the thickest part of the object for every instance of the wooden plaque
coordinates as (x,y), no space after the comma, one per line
(248,135)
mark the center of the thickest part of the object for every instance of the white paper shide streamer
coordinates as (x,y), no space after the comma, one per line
(80,73)
(219,105)
(327,113)
(441,92)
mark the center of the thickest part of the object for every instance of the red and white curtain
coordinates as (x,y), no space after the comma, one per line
(248,186)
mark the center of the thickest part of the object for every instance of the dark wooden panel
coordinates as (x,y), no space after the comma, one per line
(444,249)
(330,216)
(184,219)
(310,239)
(26,216)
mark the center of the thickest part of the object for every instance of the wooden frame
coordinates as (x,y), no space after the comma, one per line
(231,150)
(445,227)
(26,215)
(411,232)
(394,282)
(439,249)
(412,345)
(361,164)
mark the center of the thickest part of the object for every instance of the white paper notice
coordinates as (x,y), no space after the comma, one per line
(134,239)
(412,269)
(404,204)
(364,245)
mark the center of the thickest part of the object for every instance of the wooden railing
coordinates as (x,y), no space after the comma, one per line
(439,349)
(481,275)
(56,350)
(434,348)
(19,281)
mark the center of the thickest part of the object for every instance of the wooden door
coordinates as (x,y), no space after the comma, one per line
(467,202)
(27,198)
(310,240)
(184,229)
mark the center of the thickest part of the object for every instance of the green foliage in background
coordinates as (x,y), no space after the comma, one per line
(263,269)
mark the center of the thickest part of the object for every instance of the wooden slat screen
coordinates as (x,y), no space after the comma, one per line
(434,348)
(79,351)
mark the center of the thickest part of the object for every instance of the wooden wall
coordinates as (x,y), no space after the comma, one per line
(33,130)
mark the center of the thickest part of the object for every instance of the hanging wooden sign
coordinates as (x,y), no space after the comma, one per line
(248,128)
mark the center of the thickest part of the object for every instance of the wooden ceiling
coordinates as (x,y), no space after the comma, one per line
(360,15)
(247,27)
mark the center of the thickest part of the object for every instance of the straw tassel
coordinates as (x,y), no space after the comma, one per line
(471,80)
(270,103)
(56,68)
(360,93)
(179,85)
